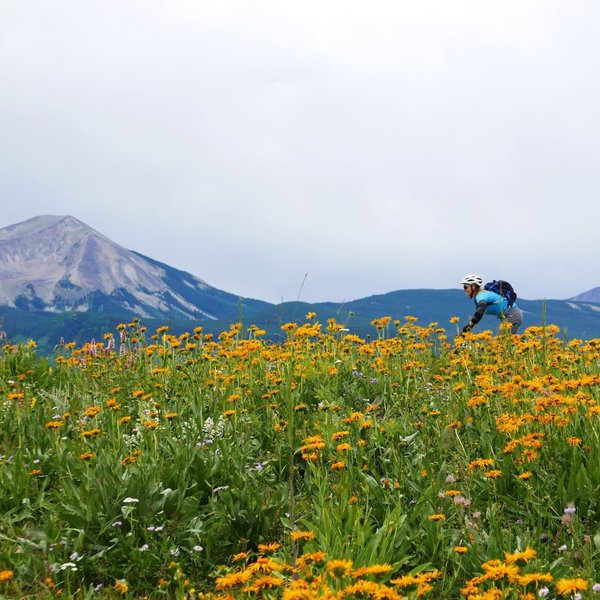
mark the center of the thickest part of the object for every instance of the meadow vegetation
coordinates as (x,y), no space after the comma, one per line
(401,465)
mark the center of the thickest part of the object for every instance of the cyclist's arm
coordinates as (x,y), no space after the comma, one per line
(477,316)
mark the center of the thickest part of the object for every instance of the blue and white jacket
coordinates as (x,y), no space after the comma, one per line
(493,304)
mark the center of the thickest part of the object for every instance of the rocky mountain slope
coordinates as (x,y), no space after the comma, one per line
(55,264)
(592,295)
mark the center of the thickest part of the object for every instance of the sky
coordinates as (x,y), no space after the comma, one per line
(315,150)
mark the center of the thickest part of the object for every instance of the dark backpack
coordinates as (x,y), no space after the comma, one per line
(503,288)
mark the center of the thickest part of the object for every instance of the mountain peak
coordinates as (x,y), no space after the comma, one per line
(40,223)
(56,263)
(592,295)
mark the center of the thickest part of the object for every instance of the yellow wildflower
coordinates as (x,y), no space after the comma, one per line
(493,474)
(91,433)
(525,555)
(302,535)
(340,567)
(567,587)
(480,463)
(121,586)
(268,547)
(240,556)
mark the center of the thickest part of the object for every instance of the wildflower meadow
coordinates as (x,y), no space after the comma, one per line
(411,463)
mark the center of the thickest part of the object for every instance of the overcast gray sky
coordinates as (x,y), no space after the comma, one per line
(327,150)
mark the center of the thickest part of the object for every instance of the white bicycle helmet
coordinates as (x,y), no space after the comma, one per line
(472,280)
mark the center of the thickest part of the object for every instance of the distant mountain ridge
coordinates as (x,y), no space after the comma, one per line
(592,295)
(60,278)
(56,264)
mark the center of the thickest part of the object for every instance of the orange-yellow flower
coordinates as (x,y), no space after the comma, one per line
(340,567)
(113,404)
(240,556)
(267,581)
(313,557)
(525,555)
(496,569)
(480,463)
(536,578)
(121,586)
(231,580)
(302,535)
(436,517)
(372,570)
(90,433)
(493,474)
(567,587)
(268,547)
(476,401)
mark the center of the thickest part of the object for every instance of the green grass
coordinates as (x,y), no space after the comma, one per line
(166,466)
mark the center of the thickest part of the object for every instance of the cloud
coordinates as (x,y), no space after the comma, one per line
(251,143)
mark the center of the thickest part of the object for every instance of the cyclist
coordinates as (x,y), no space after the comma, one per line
(490,303)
